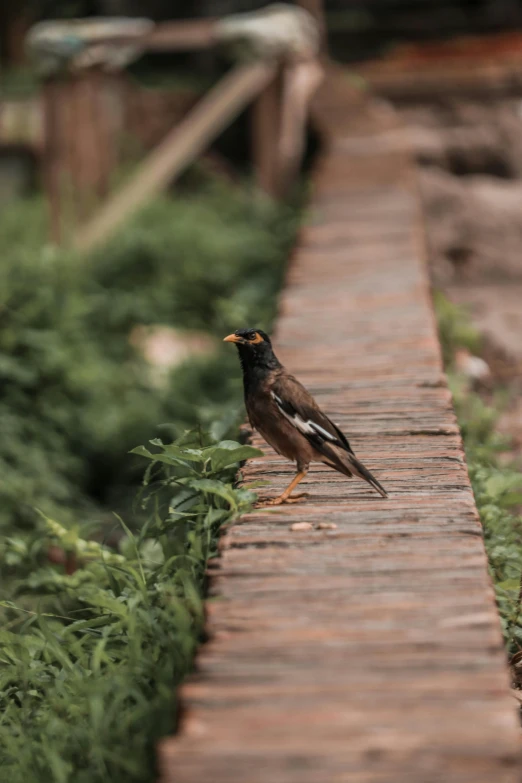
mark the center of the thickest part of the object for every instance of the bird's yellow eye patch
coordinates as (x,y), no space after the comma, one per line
(257,339)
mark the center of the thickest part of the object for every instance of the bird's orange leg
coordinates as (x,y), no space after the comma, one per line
(285,497)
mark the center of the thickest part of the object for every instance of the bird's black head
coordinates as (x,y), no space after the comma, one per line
(255,351)
(255,339)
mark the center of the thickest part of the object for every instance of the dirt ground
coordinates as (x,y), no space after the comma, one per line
(470,176)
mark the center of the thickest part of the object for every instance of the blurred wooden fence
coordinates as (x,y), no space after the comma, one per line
(184,143)
(80,138)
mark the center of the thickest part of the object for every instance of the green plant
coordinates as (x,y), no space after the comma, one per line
(455,328)
(497,487)
(18,83)
(87,675)
(101,618)
(75,393)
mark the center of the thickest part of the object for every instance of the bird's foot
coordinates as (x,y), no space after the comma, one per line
(279,501)
(296,498)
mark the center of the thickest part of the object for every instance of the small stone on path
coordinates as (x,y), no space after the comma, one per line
(299,527)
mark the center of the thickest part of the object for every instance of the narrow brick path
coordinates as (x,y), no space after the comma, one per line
(370,652)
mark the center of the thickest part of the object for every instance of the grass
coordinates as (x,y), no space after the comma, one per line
(497,486)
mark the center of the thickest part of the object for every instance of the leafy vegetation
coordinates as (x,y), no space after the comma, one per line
(75,393)
(18,83)
(101,615)
(87,676)
(497,487)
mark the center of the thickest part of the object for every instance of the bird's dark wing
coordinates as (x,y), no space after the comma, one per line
(301,410)
(299,407)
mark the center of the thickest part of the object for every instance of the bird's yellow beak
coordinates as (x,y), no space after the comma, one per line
(233,338)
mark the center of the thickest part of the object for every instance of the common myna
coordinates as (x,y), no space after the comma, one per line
(288,417)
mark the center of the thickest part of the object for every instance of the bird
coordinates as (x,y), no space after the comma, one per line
(288,418)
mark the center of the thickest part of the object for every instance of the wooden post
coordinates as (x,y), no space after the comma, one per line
(94,141)
(79,146)
(280,113)
(316,9)
(52,143)
(300,81)
(266,132)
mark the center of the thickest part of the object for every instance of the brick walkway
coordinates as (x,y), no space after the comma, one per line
(371,652)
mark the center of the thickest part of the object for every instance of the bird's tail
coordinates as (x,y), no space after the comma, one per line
(347,463)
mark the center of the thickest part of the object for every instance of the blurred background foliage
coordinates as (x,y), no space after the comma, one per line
(99,354)
(76,394)
(494,472)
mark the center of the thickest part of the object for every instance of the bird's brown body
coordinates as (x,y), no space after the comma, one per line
(264,416)
(288,417)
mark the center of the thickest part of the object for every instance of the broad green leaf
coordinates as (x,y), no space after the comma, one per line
(224,457)
(214,487)
(509,584)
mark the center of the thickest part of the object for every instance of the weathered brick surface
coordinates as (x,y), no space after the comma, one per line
(371,652)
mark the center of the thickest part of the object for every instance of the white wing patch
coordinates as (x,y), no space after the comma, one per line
(321,431)
(308,427)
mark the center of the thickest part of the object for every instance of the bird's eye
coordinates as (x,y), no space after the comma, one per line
(252,335)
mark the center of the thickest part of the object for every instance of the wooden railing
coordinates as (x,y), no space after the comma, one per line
(79,149)
(181,146)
